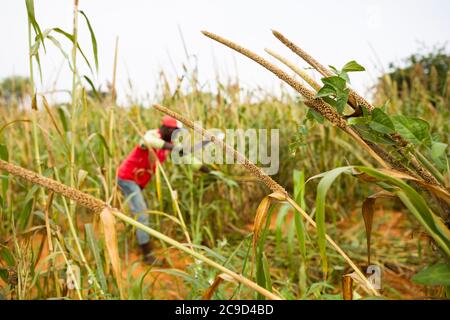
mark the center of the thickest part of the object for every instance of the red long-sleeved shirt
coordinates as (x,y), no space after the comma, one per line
(138,167)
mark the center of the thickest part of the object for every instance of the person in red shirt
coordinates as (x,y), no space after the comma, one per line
(136,171)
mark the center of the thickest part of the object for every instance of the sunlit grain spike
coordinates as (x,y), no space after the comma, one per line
(354,100)
(318,104)
(305,76)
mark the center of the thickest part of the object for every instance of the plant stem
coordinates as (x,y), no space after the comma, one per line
(74,94)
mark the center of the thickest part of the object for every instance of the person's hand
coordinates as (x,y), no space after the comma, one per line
(204,169)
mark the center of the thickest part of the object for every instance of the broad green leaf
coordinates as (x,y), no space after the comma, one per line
(330,101)
(326,91)
(371,135)
(358,121)
(438,149)
(438,274)
(413,130)
(381,122)
(341,100)
(335,82)
(353,66)
(344,75)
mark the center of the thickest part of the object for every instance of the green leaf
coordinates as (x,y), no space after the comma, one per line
(3,152)
(71,38)
(25,215)
(7,256)
(330,101)
(416,205)
(314,115)
(438,149)
(336,71)
(353,66)
(381,122)
(58,45)
(322,189)
(414,130)
(279,225)
(341,100)
(326,91)
(438,274)
(267,272)
(369,134)
(93,40)
(93,245)
(358,121)
(344,75)
(335,82)
(32,20)
(91,84)
(63,115)
(299,195)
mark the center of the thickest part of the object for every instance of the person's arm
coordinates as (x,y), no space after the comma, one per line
(151,140)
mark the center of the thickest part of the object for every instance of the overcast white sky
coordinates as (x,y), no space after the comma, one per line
(371,32)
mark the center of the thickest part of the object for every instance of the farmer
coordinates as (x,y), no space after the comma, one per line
(137,169)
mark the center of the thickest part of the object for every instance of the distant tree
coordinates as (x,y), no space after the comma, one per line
(423,77)
(14,89)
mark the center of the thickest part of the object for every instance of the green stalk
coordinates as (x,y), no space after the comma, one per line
(33,112)
(434,171)
(404,198)
(74,94)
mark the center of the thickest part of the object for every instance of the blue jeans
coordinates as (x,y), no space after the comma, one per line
(134,197)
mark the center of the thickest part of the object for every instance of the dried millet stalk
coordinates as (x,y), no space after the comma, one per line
(305,76)
(317,104)
(81,198)
(268,181)
(355,99)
